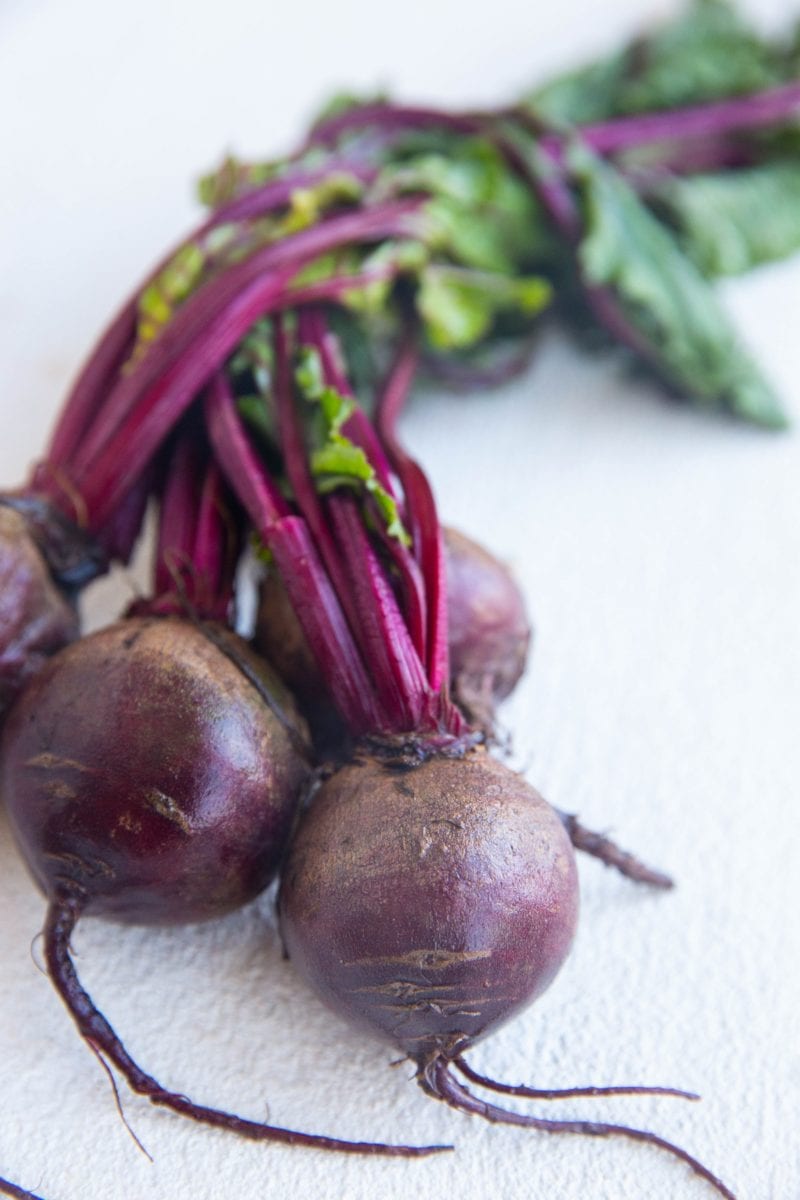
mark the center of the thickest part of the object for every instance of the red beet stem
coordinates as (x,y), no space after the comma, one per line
(62,917)
(421,508)
(313,331)
(392,118)
(295,462)
(398,674)
(216,540)
(310,590)
(350,562)
(192,319)
(195,557)
(113,349)
(438,1081)
(737,114)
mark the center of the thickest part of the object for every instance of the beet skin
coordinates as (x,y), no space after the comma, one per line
(146,777)
(429,904)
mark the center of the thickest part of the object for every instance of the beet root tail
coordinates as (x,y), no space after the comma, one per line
(435,1078)
(602,847)
(62,917)
(18,1193)
(510,1089)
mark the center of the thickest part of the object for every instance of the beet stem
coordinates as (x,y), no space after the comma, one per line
(314,331)
(437,1081)
(296,466)
(115,344)
(309,588)
(62,916)
(509,1089)
(421,508)
(602,847)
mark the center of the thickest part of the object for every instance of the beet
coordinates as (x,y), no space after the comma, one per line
(145,777)
(36,618)
(431,904)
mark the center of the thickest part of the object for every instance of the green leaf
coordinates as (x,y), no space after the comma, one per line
(706,53)
(480,214)
(458,307)
(664,297)
(730,222)
(337,462)
(162,296)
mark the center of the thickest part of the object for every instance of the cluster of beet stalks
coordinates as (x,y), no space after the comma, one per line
(370,603)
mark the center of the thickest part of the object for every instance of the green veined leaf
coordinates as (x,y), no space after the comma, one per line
(706,53)
(730,222)
(664,296)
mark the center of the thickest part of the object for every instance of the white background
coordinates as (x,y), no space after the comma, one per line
(660,551)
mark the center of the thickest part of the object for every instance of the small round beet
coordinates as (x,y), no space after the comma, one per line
(429,904)
(36,618)
(144,774)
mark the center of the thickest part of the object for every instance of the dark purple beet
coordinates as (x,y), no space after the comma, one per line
(430,904)
(144,774)
(489,638)
(36,619)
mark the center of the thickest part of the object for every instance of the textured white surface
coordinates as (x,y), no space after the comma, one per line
(661,554)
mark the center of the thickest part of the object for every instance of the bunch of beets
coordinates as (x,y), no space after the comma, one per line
(163,769)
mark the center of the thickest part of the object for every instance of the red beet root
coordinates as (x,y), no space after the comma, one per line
(146,778)
(429,904)
(432,904)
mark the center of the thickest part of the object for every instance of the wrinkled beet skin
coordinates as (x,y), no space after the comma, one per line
(489,637)
(143,771)
(36,619)
(429,905)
